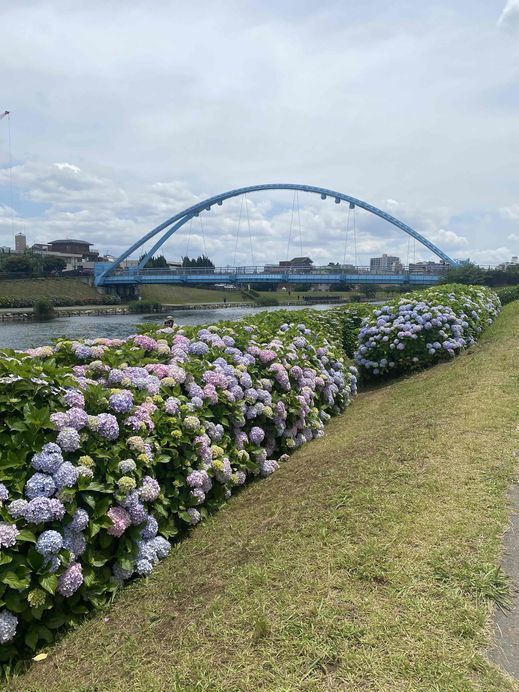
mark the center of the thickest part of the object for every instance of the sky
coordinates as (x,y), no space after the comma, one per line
(124,113)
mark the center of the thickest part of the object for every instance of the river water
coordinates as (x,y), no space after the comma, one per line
(21,335)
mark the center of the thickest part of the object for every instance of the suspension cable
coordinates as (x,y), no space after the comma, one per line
(203,234)
(355,233)
(290,229)
(299,221)
(238,231)
(250,234)
(346,238)
(189,236)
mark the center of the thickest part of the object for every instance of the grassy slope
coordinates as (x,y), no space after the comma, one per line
(47,288)
(177,295)
(362,564)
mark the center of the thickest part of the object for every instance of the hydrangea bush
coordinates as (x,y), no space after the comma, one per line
(424,327)
(111,448)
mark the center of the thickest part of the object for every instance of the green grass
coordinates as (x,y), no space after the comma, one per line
(47,288)
(178,295)
(367,562)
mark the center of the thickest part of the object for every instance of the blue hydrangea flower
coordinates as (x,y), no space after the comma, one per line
(143,567)
(40,485)
(66,476)
(150,529)
(79,520)
(4,493)
(48,460)
(8,623)
(126,466)
(49,543)
(42,509)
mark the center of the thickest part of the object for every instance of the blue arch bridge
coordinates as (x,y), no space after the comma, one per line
(117,275)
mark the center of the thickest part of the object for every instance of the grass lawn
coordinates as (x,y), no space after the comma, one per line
(178,295)
(367,562)
(47,288)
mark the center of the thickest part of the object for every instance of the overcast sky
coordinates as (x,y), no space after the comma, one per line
(123,113)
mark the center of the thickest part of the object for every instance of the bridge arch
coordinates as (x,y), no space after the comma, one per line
(176,222)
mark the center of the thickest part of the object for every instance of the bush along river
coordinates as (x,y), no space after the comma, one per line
(21,335)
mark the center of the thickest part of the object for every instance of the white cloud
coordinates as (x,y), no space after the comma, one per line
(511,212)
(192,99)
(449,240)
(513,236)
(509,18)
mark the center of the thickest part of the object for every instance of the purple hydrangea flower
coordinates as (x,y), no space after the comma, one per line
(198,495)
(171,405)
(195,515)
(256,435)
(73,397)
(121,402)
(68,439)
(4,493)
(107,426)
(79,520)
(8,534)
(70,581)
(150,489)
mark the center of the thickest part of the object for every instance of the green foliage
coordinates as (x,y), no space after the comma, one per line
(43,309)
(507,295)
(201,261)
(51,264)
(17,264)
(159,262)
(266,301)
(142,306)
(33,388)
(474,275)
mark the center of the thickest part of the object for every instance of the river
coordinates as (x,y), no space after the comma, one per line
(21,335)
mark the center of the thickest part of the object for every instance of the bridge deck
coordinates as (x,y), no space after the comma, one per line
(254,275)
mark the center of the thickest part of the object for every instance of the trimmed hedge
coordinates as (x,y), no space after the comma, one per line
(112,448)
(59,301)
(509,294)
(423,328)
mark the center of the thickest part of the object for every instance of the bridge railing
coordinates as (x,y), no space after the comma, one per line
(273,270)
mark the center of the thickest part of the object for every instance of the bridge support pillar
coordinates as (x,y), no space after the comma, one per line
(128,292)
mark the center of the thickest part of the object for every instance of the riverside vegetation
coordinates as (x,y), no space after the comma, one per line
(112,448)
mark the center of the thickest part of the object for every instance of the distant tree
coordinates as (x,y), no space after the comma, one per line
(465,274)
(369,290)
(52,265)
(201,261)
(21,264)
(159,262)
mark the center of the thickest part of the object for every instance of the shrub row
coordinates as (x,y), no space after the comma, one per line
(59,301)
(111,448)
(507,295)
(423,328)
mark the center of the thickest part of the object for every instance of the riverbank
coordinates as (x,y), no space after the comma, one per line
(368,561)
